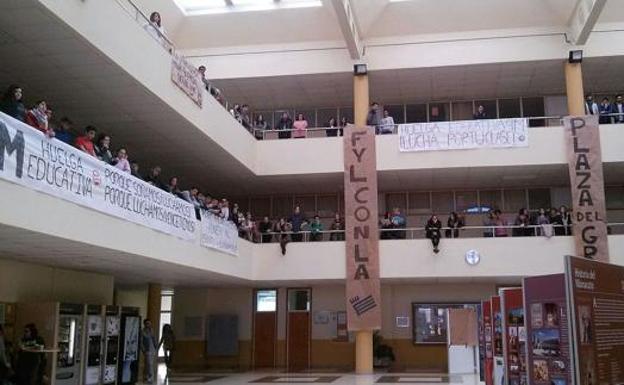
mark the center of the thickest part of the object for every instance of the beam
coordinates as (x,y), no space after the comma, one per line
(583,20)
(349,27)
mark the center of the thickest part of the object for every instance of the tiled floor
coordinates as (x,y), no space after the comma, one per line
(210,378)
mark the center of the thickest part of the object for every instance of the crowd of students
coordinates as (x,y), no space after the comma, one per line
(607,112)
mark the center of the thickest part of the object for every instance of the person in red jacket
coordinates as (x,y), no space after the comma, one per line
(85,143)
(37,117)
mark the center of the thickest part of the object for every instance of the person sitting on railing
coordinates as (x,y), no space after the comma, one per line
(102,149)
(64,131)
(337,225)
(245,118)
(374,117)
(500,230)
(12,103)
(522,224)
(37,117)
(283,228)
(297,219)
(260,125)
(155,27)
(489,222)
(300,126)
(618,108)
(265,228)
(316,229)
(566,220)
(387,123)
(85,143)
(591,108)
(285,123)
(454,223)
(398,222)
(605,109)
(121,160)
(332,127)
(154,178)
(432,231)
(480,114)
(555,219)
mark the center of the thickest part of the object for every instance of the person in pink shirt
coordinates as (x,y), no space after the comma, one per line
(121,161)
(300,126)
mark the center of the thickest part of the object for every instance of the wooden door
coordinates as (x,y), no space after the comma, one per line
(298,329)
(265,328)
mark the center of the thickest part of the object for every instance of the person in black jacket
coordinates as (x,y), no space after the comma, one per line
(285,123)
(454,223)
(12,103)
(31,362)
(433,229)
(557,221)
(265,227)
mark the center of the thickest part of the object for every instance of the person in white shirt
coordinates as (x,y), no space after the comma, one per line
(591,107)
(387,123)
(155,28)
(618,108)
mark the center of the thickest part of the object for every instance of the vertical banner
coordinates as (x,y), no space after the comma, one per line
(486,310)
(361,229)
(497,328)
(187,78)
(596,308)
(514,333)
(548,351)
(587,183)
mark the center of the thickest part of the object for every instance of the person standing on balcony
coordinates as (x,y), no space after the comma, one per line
(37,117)
(342,125)
(316,229)
(591,108)
(454,223)
(154,178)
(155,27)
(284,125)
(265,227)
(432,231)
(556,220)
(338,226)
(214,91)
(522,224)
(618,108)
(297,219)
(489,223)
(374,117)
(332,127)
(300,126)
(480,114)
(500,230)
(64,132)
(283,228)
(387,123)
(260,125)
(398,222)
(102,149)
(605,110)
(12,103)
(121,161)
(245,118)
(566,219)
(85,143)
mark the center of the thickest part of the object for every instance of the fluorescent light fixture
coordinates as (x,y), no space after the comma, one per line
(208,7)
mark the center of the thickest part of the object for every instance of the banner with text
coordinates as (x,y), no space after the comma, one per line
(361,229)
(217,233)
(587,183)
(187,78)
(30,159)
(595,293)
(463,135)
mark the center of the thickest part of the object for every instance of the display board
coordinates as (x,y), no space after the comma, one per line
(595,293)
(497,337)
(488,352)
(514,336)
(481,342)
(548,357)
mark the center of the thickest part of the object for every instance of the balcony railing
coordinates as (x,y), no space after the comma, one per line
(507,231)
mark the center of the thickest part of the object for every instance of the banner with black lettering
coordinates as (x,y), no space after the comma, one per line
(587,183)
(464,134)
(217,233)
(30,159)
(361,229)
(187,78)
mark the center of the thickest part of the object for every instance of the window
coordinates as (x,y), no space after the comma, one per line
(166,308)
(430,323)
(489,107)
(509,108)
(491,200)
(396,200)
(207,7)
(539,198)
(416,113)
(462,110)
(397,113)
(466,201)
(346,112)
(298,300)
(439,112)
(266,301)
(514,200)
(534,107)
(442,202)
(324,114)
(307,204)
(327,205)
(419,203)
(261,207)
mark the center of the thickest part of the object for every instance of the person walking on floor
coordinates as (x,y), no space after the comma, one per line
(167,341)
(149,347)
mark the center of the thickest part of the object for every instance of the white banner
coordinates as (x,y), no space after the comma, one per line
(464,134)
(187,78)
(30,159)
(217,233)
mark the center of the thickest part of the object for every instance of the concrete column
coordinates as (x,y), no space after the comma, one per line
(574,88)
(153,306)
(363,338)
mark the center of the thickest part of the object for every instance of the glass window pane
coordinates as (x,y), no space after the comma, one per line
(261,207)
(532,107)
(282,207)
(430,324)
(419,203)
(346,112)
(462,110)
(266,300)
(396,112)
(514,200)
(489,106)
(509,108)
(416,113)
(466,201)
(439,112)
(299,300)
(539,198)
(307,205)
(327,205)
(324,114)
(396,200)
(614,197)
(166,302)
(491,199)
(442,202)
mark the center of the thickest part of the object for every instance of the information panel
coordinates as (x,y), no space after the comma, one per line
(596,301)
(548,359)
(497,327)
(486,307)
(514,336)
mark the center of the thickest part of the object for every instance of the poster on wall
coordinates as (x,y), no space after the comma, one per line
(481,342)
(514,336)
(596,306)
(548,359)
(497,330)
(488,364)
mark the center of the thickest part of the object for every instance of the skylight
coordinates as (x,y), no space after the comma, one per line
(207,7)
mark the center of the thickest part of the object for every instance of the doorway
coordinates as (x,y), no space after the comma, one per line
(264,328)
(298,331)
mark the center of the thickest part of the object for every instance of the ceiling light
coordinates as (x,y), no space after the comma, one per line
(576,56)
